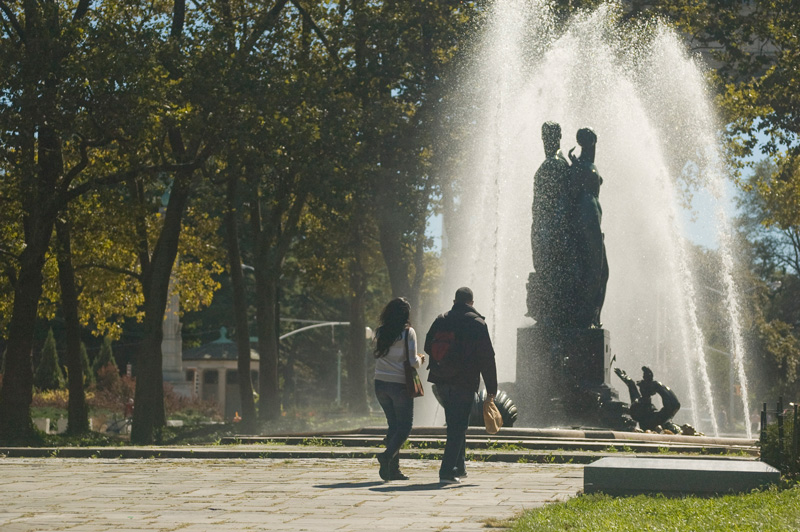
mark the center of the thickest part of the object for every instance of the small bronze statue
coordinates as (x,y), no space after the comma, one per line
(587,237)
(642,409)
(549,287)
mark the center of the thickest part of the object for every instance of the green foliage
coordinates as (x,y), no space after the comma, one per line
(48,374)
(778,453)
(753,48)
(104,358)
(771,230)
(89,439)
(88,372)
(771,509)
(321,442)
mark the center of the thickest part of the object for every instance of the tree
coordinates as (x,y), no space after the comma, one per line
(239,305)
(771,231)
(399,78)
(752,47)
(189,142)
(770,219)
(57,110)
(48,374)
(37,44)
(270,141)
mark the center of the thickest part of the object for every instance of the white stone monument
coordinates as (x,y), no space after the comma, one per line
(172,345)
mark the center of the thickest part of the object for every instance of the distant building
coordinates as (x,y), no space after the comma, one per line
(208,372)
(211,374)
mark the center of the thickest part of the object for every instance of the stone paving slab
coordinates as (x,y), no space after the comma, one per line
(316,495)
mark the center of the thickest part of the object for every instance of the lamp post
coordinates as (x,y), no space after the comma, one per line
(315,324)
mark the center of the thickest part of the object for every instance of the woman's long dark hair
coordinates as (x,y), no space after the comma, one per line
(395,317)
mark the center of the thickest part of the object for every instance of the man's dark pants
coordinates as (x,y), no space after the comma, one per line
(457,404)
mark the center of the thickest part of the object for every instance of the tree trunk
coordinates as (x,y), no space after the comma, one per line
(415,293)
(77,412)
(16,393)
(356,397)
(269,403)
(149,414)
(248,414)
(38,199)
(391,241)
(268,261)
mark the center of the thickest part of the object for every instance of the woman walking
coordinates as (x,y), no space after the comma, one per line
(396,342)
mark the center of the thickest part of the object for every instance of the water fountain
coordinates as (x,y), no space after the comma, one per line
(648,103)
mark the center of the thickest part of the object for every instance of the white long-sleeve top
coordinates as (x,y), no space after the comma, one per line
(389,368)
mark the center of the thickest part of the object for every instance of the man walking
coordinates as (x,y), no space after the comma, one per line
(460,352)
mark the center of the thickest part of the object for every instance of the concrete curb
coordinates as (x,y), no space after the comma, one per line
(299,453)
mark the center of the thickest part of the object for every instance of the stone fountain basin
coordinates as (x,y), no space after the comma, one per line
(676,476)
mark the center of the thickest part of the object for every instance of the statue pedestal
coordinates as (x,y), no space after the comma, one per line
(563,378)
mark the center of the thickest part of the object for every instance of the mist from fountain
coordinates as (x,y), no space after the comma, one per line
(649,105)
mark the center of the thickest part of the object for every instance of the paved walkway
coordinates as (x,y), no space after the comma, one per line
(317,495)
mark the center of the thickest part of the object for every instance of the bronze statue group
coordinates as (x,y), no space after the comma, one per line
(568,286)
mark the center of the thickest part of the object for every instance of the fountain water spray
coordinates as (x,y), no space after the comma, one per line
(648,103)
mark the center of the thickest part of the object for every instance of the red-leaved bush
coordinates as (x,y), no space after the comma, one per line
(112,392)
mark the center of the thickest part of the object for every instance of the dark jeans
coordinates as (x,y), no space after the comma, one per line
(399,409)
(457,404)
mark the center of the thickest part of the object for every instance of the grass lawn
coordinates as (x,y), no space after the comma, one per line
(770,510)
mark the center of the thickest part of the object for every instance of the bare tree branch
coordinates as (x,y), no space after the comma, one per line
(310,21)
(292,224)
(261,25)
(81,10)
(78,168)
(178,18)
(119,177)
(74,192)
(8,254)
(143,251)
(12,19)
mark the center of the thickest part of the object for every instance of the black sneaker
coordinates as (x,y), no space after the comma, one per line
(394,469)
(461,474)
(449,480)
(384,469)
(397,475)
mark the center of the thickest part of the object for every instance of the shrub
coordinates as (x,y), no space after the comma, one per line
(188,408)
(112,390)
(104,357)
(51,398)
(88,373)
(778,453)
(108,378)
(48,374)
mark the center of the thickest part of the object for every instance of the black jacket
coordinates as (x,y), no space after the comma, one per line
(476,350)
